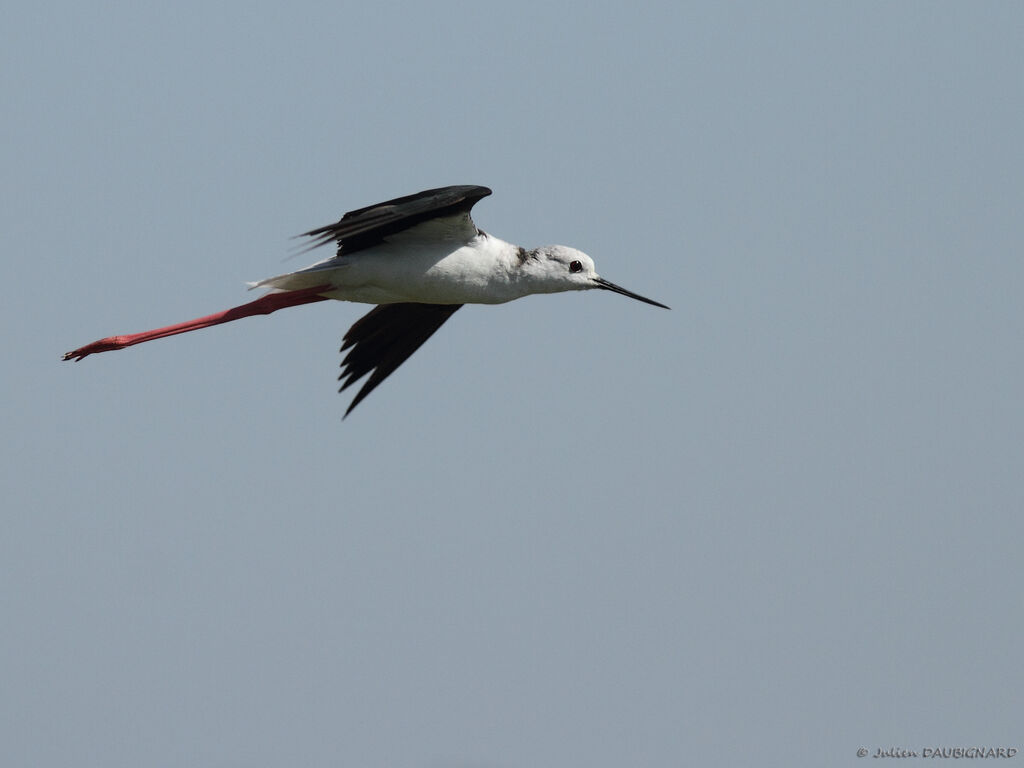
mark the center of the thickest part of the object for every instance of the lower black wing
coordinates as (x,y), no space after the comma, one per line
(365,227)
(383,339)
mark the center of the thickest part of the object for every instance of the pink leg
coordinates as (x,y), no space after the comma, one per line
(262,306)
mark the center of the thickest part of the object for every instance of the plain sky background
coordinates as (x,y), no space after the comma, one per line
(772,526)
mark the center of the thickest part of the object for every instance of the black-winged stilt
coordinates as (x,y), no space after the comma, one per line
(418,258)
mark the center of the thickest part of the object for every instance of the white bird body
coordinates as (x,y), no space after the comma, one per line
(418,258)
(475,268)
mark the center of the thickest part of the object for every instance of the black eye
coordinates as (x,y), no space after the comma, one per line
(575,266)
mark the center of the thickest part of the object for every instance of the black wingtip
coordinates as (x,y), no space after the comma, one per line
(383,339)
(367,226)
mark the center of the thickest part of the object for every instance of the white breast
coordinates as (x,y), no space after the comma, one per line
(481,271)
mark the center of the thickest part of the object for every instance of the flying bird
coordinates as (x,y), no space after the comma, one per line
(419,258)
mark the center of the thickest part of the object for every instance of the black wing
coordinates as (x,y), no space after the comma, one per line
(384,338)
(368,226)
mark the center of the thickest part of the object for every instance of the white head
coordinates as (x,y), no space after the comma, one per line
(556,268)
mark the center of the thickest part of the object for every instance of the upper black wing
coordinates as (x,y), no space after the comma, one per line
(365,227)
(383,338)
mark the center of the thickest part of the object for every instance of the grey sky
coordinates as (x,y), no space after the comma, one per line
(774,525)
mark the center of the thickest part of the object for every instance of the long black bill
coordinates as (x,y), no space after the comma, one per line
(602,283)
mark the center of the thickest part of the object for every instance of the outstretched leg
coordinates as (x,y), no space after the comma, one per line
(262,306)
